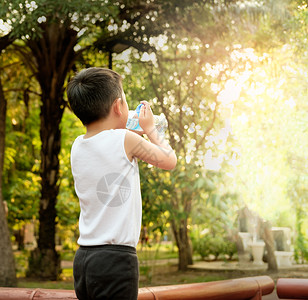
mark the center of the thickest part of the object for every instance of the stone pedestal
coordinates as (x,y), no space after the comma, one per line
(257,249)
(282,237)
(284,259)
(246,239)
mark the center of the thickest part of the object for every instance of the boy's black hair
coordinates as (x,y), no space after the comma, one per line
(91,93)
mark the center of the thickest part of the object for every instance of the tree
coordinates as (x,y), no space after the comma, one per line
(7,264)
(188,128)
(21,169)
(53,35)
(50,32)
(185,97)
(190,83)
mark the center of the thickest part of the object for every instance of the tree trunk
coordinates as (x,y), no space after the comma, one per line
(20,237)
(183,243)
(268,238)
(54,54)
(7,263)
(45,261)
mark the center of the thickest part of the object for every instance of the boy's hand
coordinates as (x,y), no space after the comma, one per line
(146,118)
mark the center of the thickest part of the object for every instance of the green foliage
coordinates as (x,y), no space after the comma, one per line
(21,172)
(21,262)
(67,204)
(213,224)
(298,193)
(207,245)
(298,29)
(27,18)
(301,246)
(198,120)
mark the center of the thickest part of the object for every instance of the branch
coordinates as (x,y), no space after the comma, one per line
(164,110)
(21,90)
(126,12)
(108,43)
(27,58)
(209,128)
(8,66)
(5,41)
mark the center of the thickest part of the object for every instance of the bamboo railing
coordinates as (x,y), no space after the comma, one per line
(292,288)
(249,288)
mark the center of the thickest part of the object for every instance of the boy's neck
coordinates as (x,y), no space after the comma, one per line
(99,126)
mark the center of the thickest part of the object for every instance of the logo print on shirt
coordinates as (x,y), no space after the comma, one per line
(113,189)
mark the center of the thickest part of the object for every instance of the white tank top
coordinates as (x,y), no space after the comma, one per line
(108,187)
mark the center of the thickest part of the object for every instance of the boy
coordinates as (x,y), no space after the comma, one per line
(106,175)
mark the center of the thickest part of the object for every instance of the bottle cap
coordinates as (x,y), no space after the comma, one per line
(138,108)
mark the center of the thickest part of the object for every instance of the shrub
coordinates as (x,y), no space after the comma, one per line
(217,245)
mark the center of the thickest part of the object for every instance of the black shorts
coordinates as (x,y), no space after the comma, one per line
(106,272)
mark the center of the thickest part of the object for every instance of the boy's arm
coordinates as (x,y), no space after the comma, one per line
(157,152)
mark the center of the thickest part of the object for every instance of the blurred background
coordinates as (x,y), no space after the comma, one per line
(230,77)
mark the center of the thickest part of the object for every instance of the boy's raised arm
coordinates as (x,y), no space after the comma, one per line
(157,152)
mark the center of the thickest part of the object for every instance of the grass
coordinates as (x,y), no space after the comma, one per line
(31,284)
(152,272)
(21,262)
(67,255)
(157,251)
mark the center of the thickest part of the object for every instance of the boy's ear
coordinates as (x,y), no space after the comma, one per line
(117,106)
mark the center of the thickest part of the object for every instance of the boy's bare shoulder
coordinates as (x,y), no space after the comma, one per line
(131,141)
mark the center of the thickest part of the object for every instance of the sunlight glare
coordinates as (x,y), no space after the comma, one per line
(290,102)
(230,93)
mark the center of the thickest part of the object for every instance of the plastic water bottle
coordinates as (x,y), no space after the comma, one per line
(161,123)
